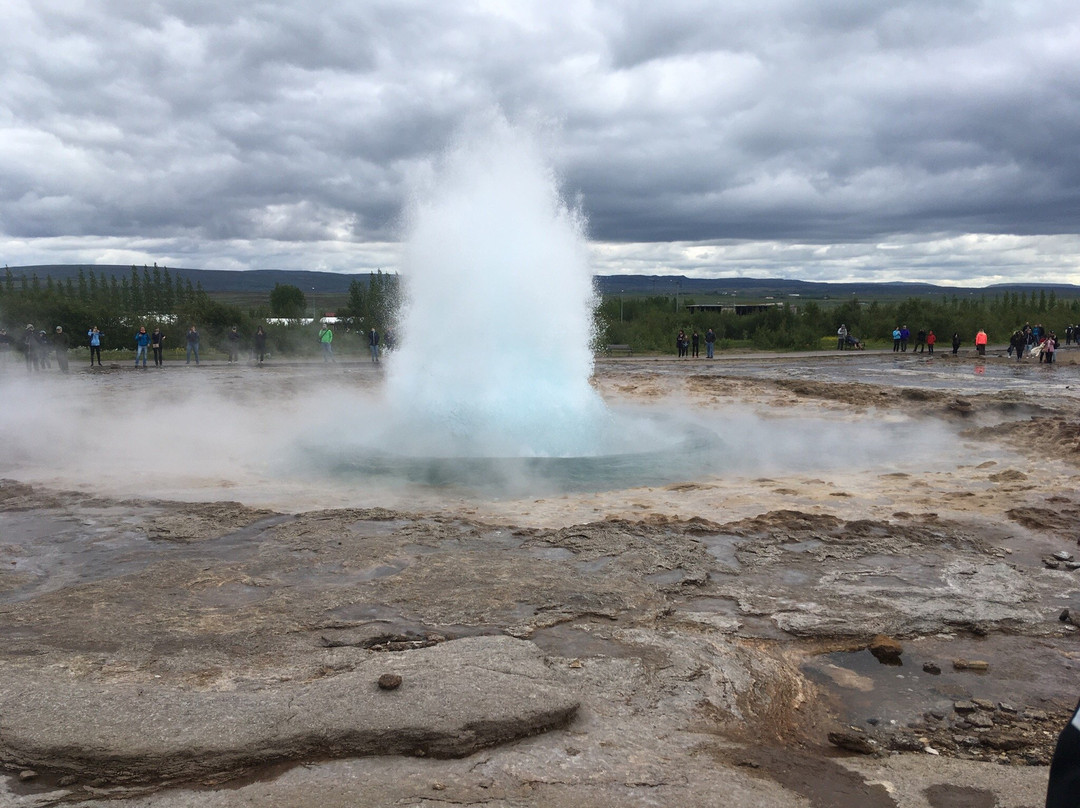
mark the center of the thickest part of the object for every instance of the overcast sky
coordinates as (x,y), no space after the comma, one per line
(934,140)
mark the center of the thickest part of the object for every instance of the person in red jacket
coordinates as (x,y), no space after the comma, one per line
(980,342)
(930,340)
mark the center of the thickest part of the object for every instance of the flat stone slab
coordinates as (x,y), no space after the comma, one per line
(454,698)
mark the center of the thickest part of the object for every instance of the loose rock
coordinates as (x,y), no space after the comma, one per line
(853,740)
(886,650)
(389,681)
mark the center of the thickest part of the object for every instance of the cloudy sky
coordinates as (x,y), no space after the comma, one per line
(933,140)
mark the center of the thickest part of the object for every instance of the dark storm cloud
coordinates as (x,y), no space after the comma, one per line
(206,128)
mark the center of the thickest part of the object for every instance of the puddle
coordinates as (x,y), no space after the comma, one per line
(596,565)
(55,553)
(723,547)
(750,625)
(666,577)
(585,640)
(1025,672)
(802,546)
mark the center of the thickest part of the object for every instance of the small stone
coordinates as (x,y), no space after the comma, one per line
(886,650)
(438,786)
(932,668)
(67,780)
(1005,707)
(576,663)
(389,681)
(984,704)
(980,721)
(873,721)
(964,707)
(971,665)
(1065,616)
(27,774)
(931,751)
(1051,563)
(853,740)
(906,743)
(1061,555)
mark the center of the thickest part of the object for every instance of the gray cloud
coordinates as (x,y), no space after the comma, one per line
(193,132)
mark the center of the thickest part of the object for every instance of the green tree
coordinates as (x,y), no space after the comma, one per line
(287,300)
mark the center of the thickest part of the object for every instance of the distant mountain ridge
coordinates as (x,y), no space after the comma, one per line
(310,281)
(212,280)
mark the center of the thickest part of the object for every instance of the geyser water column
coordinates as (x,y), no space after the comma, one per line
(495,333)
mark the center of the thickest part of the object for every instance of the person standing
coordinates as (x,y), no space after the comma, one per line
(980,342)
(44,348)
(955,342)
(157,342)
(1063,785)
(930,340)
(905,336)
(234,345)
(95,345)
(192,345)
(326,338)
(60,345)
(29,343)
(373,344)
(841,337)
(260,343)
(710,342)
(142,343)
(920,342)
(5,346)
(1017,342)
(695,342)
(896,339)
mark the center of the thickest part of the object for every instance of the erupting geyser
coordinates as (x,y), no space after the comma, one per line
(495,337)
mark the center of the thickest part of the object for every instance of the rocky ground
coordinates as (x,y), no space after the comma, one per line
(875,603)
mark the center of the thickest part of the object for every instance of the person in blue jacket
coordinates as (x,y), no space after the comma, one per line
(142,342)
(95,345)
(192,345)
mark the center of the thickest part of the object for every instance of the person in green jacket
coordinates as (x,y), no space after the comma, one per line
(326,337)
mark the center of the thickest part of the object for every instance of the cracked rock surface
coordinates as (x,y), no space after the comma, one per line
(211,632)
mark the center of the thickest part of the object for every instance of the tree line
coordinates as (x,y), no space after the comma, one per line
(154,297)
(650,323)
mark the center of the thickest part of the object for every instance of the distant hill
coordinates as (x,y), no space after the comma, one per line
(263,280)
(781,287)
(212,280)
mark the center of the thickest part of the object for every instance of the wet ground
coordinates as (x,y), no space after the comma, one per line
(853,594)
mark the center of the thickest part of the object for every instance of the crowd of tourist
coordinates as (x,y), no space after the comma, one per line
(1033,341)
(41,348)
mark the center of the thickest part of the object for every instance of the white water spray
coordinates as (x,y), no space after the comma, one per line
(495,355)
